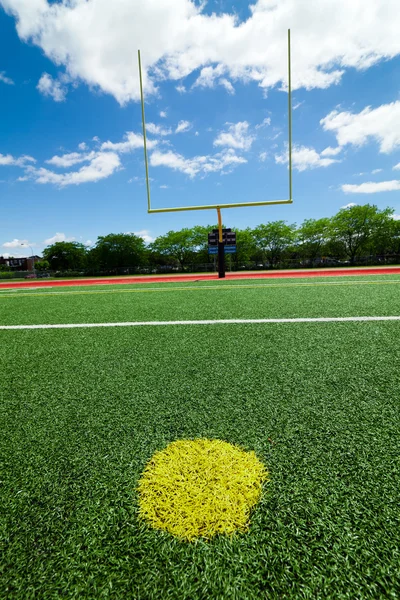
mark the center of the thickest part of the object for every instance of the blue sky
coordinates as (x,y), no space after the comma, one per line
(71,157)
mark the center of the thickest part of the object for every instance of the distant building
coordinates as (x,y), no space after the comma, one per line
(19,264)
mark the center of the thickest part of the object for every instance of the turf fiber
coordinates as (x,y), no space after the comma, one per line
(82,412)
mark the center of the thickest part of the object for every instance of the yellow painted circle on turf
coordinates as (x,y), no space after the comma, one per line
(200,488)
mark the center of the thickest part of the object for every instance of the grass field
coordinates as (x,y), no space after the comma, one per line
(83,410)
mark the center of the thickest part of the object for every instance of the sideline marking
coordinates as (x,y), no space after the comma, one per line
(203,322)
(4,294)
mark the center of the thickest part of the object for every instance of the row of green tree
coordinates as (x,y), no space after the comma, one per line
(352,233)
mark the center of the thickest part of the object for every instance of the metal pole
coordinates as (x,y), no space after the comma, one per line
(213,206)
(221,250)
(290,115)
(33,257)
(144,134)
(33,260)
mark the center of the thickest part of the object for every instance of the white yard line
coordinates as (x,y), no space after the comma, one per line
(204,322)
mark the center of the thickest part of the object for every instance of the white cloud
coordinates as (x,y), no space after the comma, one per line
(396,167)
(163,114)
(7,160)
(145,235)
(211,76)
(51,87)
(163,187)
(177,37)
(183,126)
(372,187)
(13,255)
(140,180)
(236,137)
(101,166)
(58,237)
(375,171)
(297,105)
(396,217)
(132,142)
(196,133)
(181,89)
(88,243)
(16,243)
(331,151)
(82,146)
(349,205)
(226,159)
(69,160)
(96,139)
(176,162)
(157,129)
(5,79)
(275,137)
(227,85)
(381,124)
(266,123)
(263,156)
(304,158)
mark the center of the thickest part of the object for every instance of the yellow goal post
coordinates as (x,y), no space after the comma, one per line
(218,207)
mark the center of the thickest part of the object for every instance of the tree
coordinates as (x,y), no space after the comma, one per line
(312,236)
(118,250)
(274,239)
(356,226)
(246,247)
(200,243)
(394,247)
(180,245)
(42,265)
(384,238)
(64,256)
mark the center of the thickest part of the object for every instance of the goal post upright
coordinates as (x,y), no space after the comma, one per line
(146,162)
(290,115)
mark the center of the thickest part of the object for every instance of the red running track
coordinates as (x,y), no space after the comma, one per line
(34,283)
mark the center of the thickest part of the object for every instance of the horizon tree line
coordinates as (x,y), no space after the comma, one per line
(349,235)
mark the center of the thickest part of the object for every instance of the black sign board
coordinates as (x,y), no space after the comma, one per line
(213,239)
(228,237)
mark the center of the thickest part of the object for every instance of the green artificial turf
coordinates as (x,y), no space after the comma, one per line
(82,411)
(246,299)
